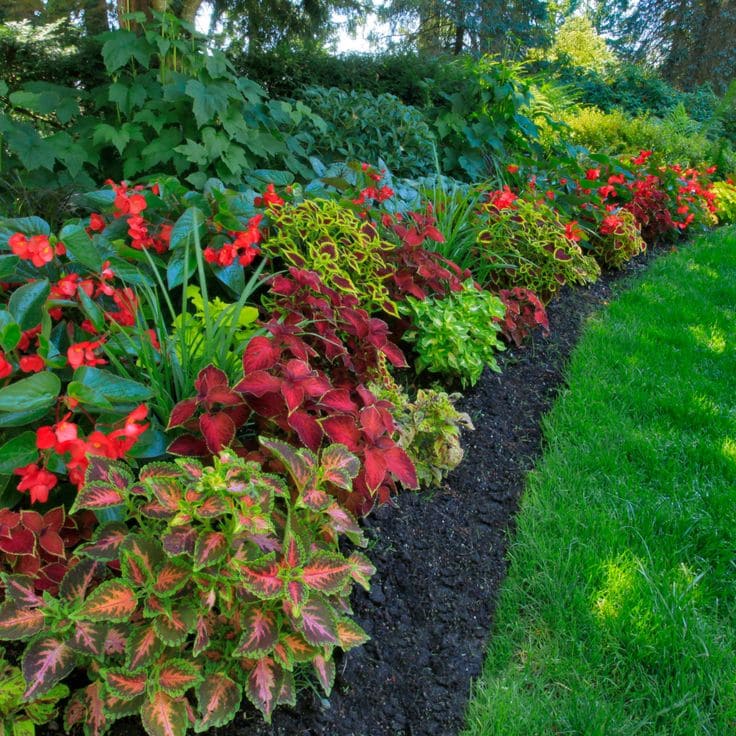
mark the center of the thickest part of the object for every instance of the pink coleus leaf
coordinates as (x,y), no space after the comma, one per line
(163,715)
(317,622)
(262,578)
(327,572)
(19,623)
(209,549)
(339,466)
(264,685)
(325,671)
(46,661)
(98,495)
(219,699)
(260,633)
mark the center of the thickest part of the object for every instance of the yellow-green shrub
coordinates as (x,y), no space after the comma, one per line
(725,201)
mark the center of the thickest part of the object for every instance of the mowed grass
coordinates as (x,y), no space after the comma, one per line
(619,613)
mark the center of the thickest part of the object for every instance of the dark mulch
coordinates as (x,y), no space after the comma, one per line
(440,561)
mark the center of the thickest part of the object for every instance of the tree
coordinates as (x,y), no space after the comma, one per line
(578,41)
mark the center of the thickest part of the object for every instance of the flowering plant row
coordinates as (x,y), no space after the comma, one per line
(197,395)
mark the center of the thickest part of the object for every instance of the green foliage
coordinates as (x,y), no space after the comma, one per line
(429,430)
(367,127)
(539,252)
(323,235)
(618,239)
(169,106)
(457,335)
(18,716)
(725,193)
(579,44)
(230,578)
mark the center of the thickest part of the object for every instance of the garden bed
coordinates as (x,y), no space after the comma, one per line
(440,560)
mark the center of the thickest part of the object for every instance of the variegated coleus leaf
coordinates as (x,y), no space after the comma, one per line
(260,633)
(19,623)
(350,634)
(176,675)
(46,661)
(173,626)
(325,671)
(318,622)
(105,542)
(116,707)
(363,569)
(264,685)
(170,578)
(343,522)
(142,648)
(124,684)
(209,549)
(112,601)
(218,698)
(140,556)
(79,578)
(287,696)
(293,648)
(163,715)
(89,638)
(327,572)
(98,495)
(180,541)
(301,464)
(339,466)
(21,591)
(262,578)
(86,707)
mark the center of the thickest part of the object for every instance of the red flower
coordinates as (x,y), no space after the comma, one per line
(573,232)
(512,168)
(82,353)
(269,198)
(31,363)
(96,223)
(38,249)
(593,174)
(5,367)
(38,481)
(641,158)
(606,190)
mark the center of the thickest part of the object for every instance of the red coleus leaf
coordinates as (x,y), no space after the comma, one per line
(338,400)
(375,467)
(46,661)
(19,623)
(262,578)
(188,446)
(125,684)
(258,384)
(329,573)
(218,431)
(260,633)
(50,542)
(307,428)
(176,676)
(209,549)
(210,379)
(182,412)
(264,685)
(343,430)
(163,715)
(21,541)
(260,354)
(111,601)
(399,463)
(219,699)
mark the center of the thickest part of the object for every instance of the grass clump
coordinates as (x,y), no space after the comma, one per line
(618,614)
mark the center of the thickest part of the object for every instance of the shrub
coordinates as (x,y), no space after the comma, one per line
(217,581)
(725,193)
(366,127)
(618,239)
(457,335)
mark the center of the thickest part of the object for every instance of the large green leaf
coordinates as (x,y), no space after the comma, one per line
(113,389)
(79,246)
(31,394)
(10,332)
(208,100)
(122,46)
(184,227)
(26,304)
(7,266)
(18,451)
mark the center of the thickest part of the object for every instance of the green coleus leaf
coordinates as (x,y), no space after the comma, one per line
(172,627)
(350,634)
(219,700)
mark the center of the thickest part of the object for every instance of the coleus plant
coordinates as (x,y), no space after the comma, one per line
(218,581)
(524,313)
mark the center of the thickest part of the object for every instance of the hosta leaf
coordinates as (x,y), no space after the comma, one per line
(46,661)
(176,676)
(350,634)
(124,684)
(112,601)
(339,466)
(318,622)
(106,541)
(264,686)
(163,715)
(209,549)
(19,623)
(262,578)
(98,495)
(171,578)
(89,638)
(260,633)
(142,648)
(327,572)
(219,700)
(325,670)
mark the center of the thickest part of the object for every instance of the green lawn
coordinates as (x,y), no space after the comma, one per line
(618,613)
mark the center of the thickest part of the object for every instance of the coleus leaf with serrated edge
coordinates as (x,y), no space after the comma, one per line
(106,541)
(98,495)
(202,638)
(111,601)
(343,522)
(46,661)
(86,706)
(163,715)
(209,549)
(318,622)
(327,572)
(262,578)
(20,590)
(171,577)
(180,541)
(260,633)
(363,569)
(339,466)
(174,626)
(124,684)
(264,685)
(76,582)
(142,647)
(175,676)
(287,696)
(88,638)
(325,671)
(219,699)
(350,634)
(299,463)
(116,707)
(19,623)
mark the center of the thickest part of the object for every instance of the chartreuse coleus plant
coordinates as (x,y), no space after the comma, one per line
(218,581)
(456,335)
(347,253)
(618,239)
(19,717)
(725,200)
